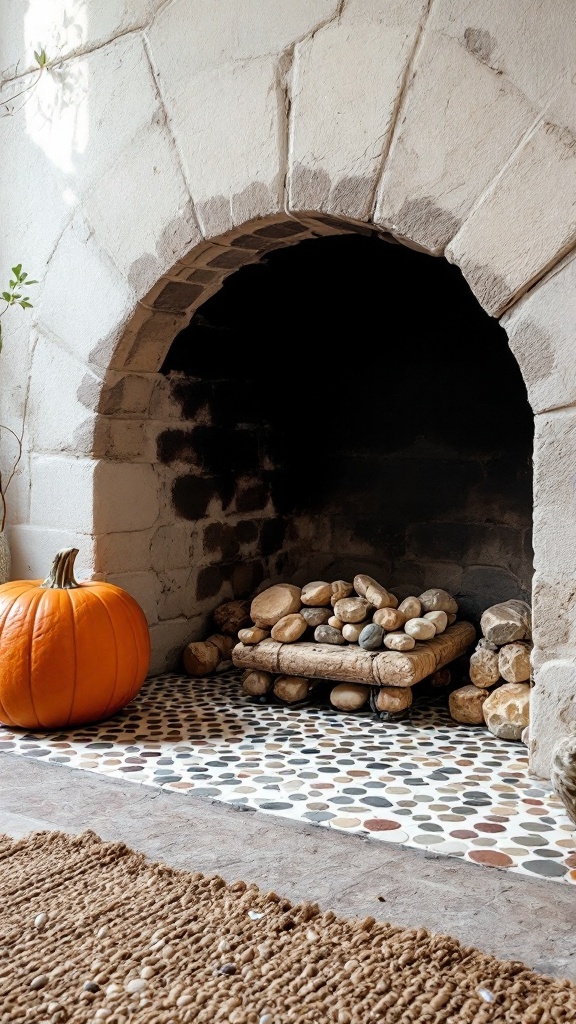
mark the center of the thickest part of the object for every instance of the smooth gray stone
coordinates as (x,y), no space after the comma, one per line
(371,637)
(328,635)
(316,616)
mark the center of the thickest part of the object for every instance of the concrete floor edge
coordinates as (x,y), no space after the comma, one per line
(488,908)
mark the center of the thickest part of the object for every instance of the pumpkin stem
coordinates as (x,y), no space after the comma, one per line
(61,575)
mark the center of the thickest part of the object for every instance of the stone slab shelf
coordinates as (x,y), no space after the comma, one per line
(352,664)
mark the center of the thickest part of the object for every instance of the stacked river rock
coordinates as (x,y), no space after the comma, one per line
(363,614)
(499,689)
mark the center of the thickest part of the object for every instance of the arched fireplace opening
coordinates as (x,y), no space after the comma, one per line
(347,406)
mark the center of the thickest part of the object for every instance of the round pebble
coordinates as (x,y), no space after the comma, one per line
(227,969)
(39,981)
(136,985)
(40,920)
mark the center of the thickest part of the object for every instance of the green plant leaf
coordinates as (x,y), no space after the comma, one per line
(25,304)
(17,270)
(6,296)
(31,282)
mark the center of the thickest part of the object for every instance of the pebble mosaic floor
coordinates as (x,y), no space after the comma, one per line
(425,783)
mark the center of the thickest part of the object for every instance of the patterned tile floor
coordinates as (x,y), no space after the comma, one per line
(426,783)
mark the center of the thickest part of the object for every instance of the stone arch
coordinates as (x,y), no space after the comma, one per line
(170,305)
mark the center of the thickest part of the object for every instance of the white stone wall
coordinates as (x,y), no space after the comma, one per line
(162,124)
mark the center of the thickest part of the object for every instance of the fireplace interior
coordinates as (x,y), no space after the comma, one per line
(346,406)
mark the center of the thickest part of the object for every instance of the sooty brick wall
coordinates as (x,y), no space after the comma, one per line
(346,405)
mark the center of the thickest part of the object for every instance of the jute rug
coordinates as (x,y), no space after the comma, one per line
(91,931)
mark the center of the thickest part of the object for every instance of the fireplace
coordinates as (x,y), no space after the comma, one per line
(328,121)
(345,405)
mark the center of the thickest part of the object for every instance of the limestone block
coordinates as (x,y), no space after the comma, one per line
(33,549)
(225,100)
(91,333)
(145,588)
(461,123)
(497,254)
(507,710)
(62,493)
(465,704)
(171,546)
(65,26)
(126,440)
(341,126)
(554,621)
(178,593)
(553,712)
(539,329)
(554,455)
(126,552)
(481,78)
(125,496)
(42,182)
(147,235)
(56,372)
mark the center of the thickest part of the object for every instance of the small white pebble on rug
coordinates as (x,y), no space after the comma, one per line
(136,985)
(39,981)
(486,995)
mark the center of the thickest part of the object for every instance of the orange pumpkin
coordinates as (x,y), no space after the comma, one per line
(70,653)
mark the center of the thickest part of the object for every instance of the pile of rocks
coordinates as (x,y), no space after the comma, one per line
(500,671)
(388,702)
(359,619)
(362,612)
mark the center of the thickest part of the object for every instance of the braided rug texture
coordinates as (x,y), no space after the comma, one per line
(92,931)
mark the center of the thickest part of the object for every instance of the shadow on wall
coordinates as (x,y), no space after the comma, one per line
(371,411)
